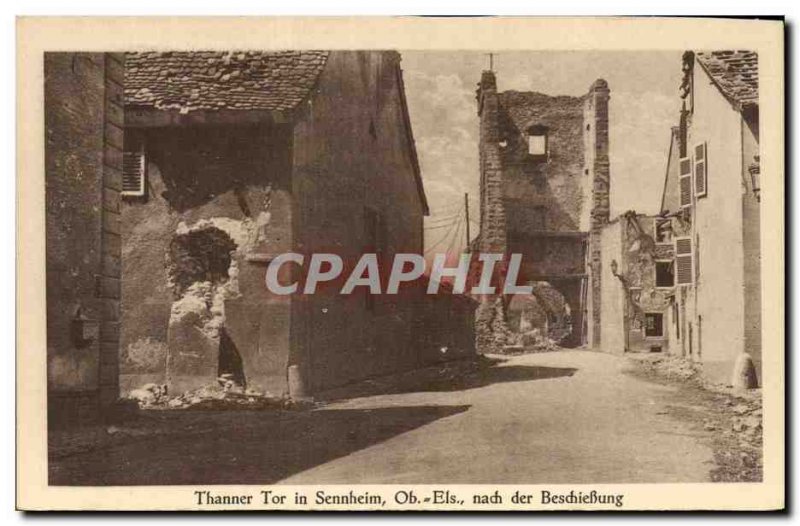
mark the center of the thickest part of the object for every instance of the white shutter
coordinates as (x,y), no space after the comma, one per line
(133,173)
(683,261)
(685,181)
(700,170)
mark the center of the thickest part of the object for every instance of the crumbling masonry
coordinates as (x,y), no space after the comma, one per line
(544,187)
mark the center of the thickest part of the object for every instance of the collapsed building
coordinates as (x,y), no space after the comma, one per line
(544,193)
(637,256)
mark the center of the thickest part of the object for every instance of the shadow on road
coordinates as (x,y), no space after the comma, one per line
(250,448)
(448,377)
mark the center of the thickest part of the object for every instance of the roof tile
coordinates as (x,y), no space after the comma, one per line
(734,72)
(211,80)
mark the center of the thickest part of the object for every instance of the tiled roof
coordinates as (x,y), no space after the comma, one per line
(734,72)
(216,80)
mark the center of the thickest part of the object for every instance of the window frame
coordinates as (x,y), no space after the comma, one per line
(644,326)
(538,131)
(685,177)
(679,254)
(703,146)
(656,222)
(655,274)
(140,152)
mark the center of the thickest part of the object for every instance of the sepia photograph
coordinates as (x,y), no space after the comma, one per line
(341,268)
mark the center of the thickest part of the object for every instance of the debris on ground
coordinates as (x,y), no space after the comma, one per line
(226,394)
(530,342)
(732,417)
(669,367)
(149,395)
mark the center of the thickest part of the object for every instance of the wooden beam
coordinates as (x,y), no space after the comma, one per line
(153,118)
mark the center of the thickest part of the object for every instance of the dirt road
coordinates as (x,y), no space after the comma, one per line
(563,417)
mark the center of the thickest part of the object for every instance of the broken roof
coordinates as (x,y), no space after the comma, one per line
(221,80)
(735,74)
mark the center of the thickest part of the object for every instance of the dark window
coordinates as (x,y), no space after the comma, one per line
(663,231)
(664,274)
(653,325)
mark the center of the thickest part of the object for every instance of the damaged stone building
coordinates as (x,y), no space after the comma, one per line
(687,281)
(173,179)
(242,156)
(544,193)
(638,283)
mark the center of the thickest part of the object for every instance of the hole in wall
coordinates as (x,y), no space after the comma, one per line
(199,256)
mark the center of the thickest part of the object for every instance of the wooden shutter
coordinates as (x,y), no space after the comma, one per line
(685,181)
(133,173)
(683,261)
(700,170)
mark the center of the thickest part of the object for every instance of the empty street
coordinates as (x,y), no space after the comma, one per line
(561,417)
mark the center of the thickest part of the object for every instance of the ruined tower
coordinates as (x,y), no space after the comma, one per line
(545,193)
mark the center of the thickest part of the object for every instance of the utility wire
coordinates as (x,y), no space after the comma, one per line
(456,238)
(447,235)
(443,218)
(437,227)
(449,221)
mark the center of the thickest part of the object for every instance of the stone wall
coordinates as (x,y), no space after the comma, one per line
(751,238)
(83,121)
(548,208)
(615,295)
(356,190)
(493,236)
(554,184)
(639,254)
(718,334)
(227,179)
(597,171)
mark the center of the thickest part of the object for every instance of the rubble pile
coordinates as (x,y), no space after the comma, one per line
(149,395)
(491,331)
(225,395)
(671,367)
(532,341)
(738,455)
(733,418)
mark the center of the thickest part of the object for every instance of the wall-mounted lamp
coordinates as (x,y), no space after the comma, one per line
(755,176)
(83,331)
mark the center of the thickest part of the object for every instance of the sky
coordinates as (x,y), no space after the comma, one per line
(440,88)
